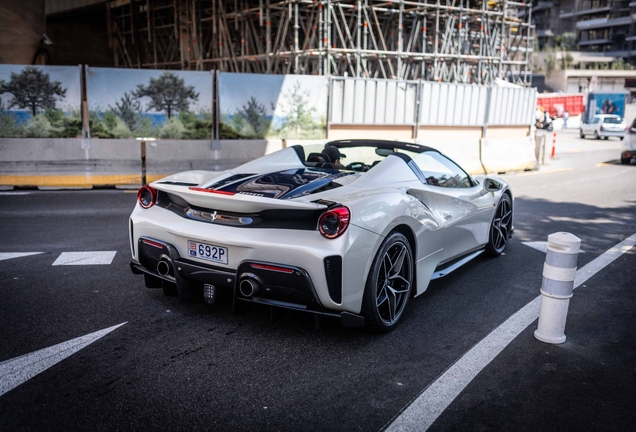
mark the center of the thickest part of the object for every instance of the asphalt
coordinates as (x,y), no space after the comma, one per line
(176,366)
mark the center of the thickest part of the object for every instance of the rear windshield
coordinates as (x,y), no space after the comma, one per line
(613,120)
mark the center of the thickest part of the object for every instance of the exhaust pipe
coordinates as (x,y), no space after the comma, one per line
(164,268)
(250,288)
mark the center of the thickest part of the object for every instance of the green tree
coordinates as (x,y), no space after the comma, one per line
(566,61)
(254,115)
(167,93)
(172,129)
(196,127)
(38,127)
(128,110)
(299,121)
(8,126)
(32,89)
(568,41)
(550,64)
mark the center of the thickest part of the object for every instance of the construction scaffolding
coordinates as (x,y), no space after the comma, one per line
(463,41)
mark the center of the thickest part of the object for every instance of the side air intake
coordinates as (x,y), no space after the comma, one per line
(333,272)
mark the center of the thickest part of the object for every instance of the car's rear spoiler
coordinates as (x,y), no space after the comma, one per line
(240,203)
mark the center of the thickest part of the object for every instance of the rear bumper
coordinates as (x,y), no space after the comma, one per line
(612,134)
(304,249)
(280,285)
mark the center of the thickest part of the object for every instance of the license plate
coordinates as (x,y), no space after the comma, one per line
(208,252)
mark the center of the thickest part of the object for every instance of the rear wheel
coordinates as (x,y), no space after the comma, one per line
(388,287)
(596,136)
(625,160)
(581,134)
(500,228)
(606,138)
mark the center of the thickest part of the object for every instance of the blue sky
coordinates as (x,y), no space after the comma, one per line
(69,76)
(106,86)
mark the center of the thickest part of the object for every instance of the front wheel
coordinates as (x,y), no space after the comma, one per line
(388,286)
(581,134)
(596,135)
(500,227)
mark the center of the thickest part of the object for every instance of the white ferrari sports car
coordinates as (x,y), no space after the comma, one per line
(295,229)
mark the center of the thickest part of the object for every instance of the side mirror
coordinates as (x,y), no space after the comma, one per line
(490,185)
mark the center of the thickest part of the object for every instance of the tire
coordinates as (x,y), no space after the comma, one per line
(581,134)
(500,227)
(550,127)
(389,284)
(622,138)
(625,161)
(606,138)
(596,135)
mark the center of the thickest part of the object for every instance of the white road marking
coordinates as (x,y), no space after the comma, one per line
(85,258)
(541,246)
(420,414)
(21,369)
(9,255)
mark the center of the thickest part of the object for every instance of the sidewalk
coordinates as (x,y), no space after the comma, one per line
(568,141)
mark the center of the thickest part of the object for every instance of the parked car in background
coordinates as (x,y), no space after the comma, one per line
(629,145)
(604,126)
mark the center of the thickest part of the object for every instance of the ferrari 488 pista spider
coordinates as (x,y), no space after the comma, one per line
(295,230)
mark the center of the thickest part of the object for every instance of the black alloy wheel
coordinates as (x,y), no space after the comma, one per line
(500,228)
(388,286)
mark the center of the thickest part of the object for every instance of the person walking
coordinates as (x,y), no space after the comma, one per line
(566,116)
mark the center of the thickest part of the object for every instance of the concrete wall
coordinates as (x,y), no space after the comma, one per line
(72,162)
(22,24)
(99,162)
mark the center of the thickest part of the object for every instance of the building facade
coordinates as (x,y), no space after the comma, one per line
(603,26)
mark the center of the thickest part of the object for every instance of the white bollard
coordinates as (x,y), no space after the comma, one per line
(559,272)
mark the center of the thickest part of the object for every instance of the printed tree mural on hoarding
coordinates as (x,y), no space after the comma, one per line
(254,114)
(170,96)
(32,89)
(168,93)
(128,109)
(299,120)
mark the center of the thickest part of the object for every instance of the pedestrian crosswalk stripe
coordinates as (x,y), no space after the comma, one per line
(9,255)
(85,258)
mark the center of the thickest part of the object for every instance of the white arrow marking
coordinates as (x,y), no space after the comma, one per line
(85,258)
(16,371)
(9,255)
(541,246)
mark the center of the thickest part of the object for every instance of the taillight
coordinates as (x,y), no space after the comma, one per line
(602,128)
(147,197)
(334,222)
